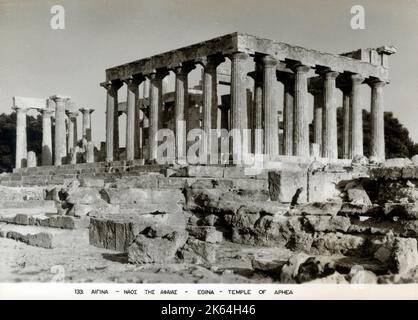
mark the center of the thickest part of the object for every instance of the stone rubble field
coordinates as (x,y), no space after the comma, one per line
(305,223)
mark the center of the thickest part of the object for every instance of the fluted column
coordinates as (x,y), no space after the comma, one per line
(132,98)
(112,120)
(288,111)
(181,107)
(356,116)
(258,133)
(329,132)
(60,151)
(210,98)
(301,126)
(271,129)
(46,137)
(346,122)
(318,117)
(21,139)
(377,143)
(156,103)
(238,112)
(86,112)
(72,130)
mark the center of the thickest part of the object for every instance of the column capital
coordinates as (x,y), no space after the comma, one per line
(357,78)
(59,98)
(71,114)
(376,83)
(211,62)
(238,56)
(112,85)
(134,81)
(158,74)
(329,74)
(184,68)
(300,68)
(46,112)
(86,110)
(20,109)
(269,61)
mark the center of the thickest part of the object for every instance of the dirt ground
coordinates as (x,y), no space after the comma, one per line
(82,262)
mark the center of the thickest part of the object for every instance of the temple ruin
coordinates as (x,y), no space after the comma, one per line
(313,211)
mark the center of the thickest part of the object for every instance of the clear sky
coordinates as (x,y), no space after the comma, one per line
(37,61)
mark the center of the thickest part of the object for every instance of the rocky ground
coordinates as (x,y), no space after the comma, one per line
(316,223)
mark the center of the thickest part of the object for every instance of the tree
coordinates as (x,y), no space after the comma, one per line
(8,139)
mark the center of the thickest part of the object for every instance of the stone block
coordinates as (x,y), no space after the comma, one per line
(200,251)
(205,171)
(206,233)
(285,186)
(326,186)
(317,208)
(327,223)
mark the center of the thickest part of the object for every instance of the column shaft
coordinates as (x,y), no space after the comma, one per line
(329,133)
(46,138)
(318,115)
(155,98)
(21,139)
(238,112)
(346,123)
(377,143)
(288,112)
(271,129)
(132,98)
(301,127)
(60,151)
(356,117)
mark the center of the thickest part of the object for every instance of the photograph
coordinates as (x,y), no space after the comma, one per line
(198,150)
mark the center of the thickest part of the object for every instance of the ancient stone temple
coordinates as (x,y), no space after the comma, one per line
(301,71)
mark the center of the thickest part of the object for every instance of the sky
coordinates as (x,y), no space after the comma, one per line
(38,61)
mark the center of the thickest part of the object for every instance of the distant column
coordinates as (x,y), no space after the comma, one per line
(346,122)
(238,112)
(60,151)
(271,126)
(329,133)
(377,143)
(112,120)
(181,107)
(288,110)
(21,139)
(46,137)
(132,98)
(86,112)
(356,115)
(301,127)
(318,115)
(72,130)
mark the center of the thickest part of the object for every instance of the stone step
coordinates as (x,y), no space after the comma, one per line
(47,220)
(28,207)
(43,237)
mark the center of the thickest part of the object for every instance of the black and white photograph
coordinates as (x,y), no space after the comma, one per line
(230,149)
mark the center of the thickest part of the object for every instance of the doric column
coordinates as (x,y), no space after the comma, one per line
(288,111)
(346,121)
(60,151)
(181,107)
(21,140)
(72,130)
(318,101)
(132,98)
(377,143)
(112,120)
(356,116)
(258,133)
(210,97)
(301,126)
(86,112)
(271,129)
(156,103)
(46,137)
(329,132)
(238,112)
